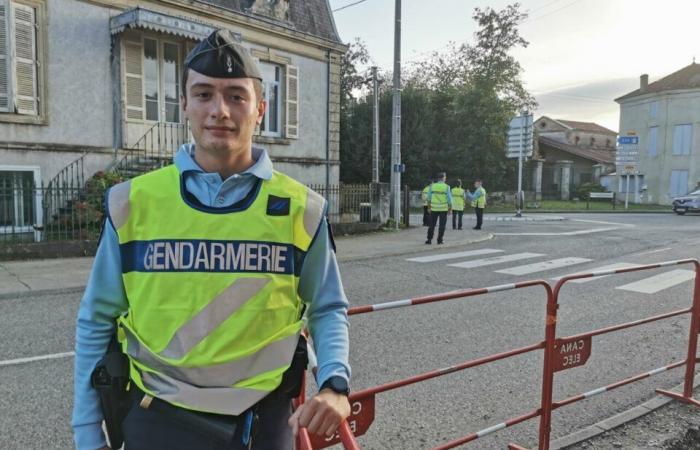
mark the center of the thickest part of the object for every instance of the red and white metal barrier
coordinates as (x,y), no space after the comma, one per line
(560,354)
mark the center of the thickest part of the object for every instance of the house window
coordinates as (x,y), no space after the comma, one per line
(654,110)
(152,80)
(652,141)
(679,183)
(682,137)
(272,93)
(18,200)
(21,75)
(592,141)
(161,72)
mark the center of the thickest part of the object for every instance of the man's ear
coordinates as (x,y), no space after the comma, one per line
(262,107)
(183,102)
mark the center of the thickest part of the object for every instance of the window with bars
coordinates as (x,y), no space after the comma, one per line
(19,77)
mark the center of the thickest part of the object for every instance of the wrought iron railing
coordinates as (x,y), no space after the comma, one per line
(345,201)
(153,150)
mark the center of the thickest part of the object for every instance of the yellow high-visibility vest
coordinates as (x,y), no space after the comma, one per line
(457,199)
(214,315)
(438,197)
(481,201)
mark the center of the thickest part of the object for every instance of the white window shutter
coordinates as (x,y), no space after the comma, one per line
(24,51)
(133,79)
(292,102)
(4,61)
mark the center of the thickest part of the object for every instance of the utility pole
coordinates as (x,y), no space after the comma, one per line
(396,122)
(375,127)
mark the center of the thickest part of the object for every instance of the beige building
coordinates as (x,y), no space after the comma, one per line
(665,115)
(85,82)
(569,153)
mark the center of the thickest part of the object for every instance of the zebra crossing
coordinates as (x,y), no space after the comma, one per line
(537,263)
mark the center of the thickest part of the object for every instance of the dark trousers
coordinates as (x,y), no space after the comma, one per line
(434,217)
(426,216)
(145,429)
(479,217)
(457,219)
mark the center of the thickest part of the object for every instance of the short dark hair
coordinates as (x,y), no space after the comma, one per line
(440,175)
(257,85)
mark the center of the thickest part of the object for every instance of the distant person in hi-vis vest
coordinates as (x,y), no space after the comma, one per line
(424,199)
(206,273)
(439,204)
(458,197)
(478,202)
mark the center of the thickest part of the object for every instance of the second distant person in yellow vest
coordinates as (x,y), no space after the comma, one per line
(458,196)
(439,204)
(478,199)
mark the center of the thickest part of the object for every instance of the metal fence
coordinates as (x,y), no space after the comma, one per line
(345,200)
(30,213)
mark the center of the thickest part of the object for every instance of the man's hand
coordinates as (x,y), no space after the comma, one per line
(322,414)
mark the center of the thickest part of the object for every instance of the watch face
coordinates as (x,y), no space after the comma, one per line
(338,384)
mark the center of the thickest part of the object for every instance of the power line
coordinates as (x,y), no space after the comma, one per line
(532,19)
(349,5)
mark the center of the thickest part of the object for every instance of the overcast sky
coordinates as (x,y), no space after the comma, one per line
(582,53)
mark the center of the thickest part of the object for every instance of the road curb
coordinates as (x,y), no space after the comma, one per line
(613,422)
(41,293)
(486,237)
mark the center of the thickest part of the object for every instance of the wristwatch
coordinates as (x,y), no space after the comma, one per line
(337,384)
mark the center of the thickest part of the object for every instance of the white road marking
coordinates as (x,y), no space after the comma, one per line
(659,282)
(649,252)
(616,226)
(494,260)
(454,255)
(622,265)
(14,362)
(544,265)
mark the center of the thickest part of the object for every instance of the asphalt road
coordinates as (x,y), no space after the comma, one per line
(35,397)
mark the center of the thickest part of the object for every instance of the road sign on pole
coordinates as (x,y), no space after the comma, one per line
(627,160)
(519,145)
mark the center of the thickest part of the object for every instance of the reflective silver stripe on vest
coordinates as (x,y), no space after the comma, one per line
(313,212)
(119,205)
(273,356)
(211,316)
(232,401)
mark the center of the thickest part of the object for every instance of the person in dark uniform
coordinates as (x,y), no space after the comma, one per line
(439,205)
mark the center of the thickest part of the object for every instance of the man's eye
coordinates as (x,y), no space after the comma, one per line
(202,95)
(237,98)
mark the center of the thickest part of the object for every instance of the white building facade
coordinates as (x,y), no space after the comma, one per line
(665,116)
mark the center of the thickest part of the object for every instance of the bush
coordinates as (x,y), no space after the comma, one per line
(582,190)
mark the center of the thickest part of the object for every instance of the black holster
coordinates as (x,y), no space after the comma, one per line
(292,377)
(110,379)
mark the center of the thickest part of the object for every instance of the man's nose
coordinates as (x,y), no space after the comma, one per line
(219,108)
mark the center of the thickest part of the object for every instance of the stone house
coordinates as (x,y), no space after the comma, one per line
(85,82)
(665,116)
(569,153)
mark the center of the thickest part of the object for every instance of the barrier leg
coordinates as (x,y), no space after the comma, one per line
(548,368)
(690,361)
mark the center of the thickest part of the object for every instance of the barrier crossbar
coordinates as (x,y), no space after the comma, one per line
(560,353)
(370,393)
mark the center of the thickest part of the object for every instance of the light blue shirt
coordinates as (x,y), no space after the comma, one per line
(105,299)
(478,192)
(449,195)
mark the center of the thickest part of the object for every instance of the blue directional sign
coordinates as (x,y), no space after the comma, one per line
(628,140)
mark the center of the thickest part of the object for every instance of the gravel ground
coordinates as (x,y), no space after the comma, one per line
(675,426)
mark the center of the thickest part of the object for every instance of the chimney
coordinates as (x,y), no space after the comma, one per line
(643,82)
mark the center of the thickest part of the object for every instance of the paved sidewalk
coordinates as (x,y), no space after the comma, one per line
(22,277)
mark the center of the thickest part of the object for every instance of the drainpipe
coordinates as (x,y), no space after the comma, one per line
(328,121)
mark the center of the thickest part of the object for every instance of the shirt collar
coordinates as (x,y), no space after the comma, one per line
(262,168)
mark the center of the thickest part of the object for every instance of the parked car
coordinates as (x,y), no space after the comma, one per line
(688,202)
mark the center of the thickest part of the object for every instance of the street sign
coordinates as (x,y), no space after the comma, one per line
(361,417)
(572,353)
(520,135)
(628,140)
